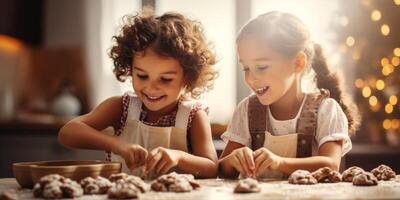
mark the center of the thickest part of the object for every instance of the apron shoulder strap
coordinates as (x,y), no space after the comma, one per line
(182,115)
(307,123)
(257,119)
(134,108)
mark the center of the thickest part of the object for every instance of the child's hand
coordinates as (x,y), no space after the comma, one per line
(242,160)
(161,160)
(264,159)
(133,154)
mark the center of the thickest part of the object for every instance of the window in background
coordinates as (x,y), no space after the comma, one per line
(102,21)
(218,19)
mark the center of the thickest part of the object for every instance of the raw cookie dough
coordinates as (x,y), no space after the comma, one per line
(327,175)
(302,177)
(383,172)
(349,173)
(365,179)
(247,185)
(174,182)
(54,186)
(99,185)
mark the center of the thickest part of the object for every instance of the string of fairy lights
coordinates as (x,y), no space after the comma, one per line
(371,85)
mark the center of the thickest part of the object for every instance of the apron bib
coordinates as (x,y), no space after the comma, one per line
(295,145)
(151,137)
(284,146)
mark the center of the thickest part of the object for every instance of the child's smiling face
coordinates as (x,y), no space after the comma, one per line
(158,81)
(268,73)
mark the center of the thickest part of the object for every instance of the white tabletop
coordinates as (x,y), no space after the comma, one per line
(223,190)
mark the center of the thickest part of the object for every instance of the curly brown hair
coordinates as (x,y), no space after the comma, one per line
(171,35)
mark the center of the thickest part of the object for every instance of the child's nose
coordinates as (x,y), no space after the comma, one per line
(254,77)
(153,85)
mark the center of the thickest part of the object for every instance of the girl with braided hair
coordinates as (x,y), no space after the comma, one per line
(297,116)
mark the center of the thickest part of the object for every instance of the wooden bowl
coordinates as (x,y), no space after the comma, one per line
(22,172)
(29,173)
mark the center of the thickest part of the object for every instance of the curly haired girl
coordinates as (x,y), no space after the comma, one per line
(159,128)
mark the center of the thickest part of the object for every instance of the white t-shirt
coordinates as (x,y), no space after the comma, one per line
(332,125)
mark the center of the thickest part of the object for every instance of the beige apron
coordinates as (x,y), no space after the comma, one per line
(300,144)
(150,137)
(284,146)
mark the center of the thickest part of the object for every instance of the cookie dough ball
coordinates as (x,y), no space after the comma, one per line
(52,190)
(326,174)
(138,182)
(349,173)
(365,179)
(99,185)
(115,177)
(247,185)
(174,182)
(54,186)
(302,177)
(383,172)
(126,186)
(71,189)
(123,190)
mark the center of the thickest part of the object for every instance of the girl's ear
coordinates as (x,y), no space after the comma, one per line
(300,62)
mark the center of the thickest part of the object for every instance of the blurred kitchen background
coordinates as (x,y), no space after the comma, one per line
(54,65)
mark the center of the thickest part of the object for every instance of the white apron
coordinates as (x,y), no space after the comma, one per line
(284,146)
(150,137)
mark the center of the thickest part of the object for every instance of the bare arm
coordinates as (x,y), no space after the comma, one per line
(329,155)
(226,169)
(203,161)
(85,131)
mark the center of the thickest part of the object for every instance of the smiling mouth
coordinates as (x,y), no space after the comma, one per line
(262,90)
(153,98)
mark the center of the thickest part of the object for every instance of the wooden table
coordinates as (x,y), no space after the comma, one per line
(223,190)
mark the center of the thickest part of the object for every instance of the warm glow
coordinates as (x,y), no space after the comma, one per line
(387,124)
(384,61)
(396,51)
(380,85)
(366,3)
(393,100)
(389,108)
(397,2)
(366,92)
(344,21)
(396,61)
(343,48)
(359,83)
(390,68)
(373,101)
(395,123)
(10,44)
(356,55)
(376,107)
(385,71)
(350,41)
(376,15)
(371,81)
(385,29)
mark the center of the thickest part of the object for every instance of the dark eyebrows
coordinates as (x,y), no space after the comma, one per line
(167,72)
(137,68)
